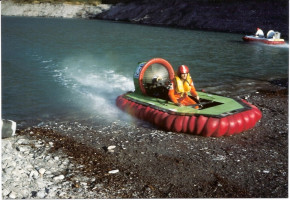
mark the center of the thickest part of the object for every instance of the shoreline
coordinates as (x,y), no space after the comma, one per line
(131,161)
(233,17)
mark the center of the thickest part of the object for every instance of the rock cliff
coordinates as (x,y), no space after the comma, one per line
(51,10)
(215,15)
(228,16)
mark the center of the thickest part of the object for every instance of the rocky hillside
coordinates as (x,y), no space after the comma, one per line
(9,8)
(227,16)
(215,15)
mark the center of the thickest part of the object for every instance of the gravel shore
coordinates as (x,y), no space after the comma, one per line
(76,160)
(30,171)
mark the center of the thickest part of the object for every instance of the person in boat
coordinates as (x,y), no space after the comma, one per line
(181,85)
(259,33)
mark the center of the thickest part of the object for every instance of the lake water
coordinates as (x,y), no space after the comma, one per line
(54,69)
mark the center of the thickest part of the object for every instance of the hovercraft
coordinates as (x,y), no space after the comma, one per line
(215,116)
(272,38)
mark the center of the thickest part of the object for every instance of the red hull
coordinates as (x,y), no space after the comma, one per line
(265,41)
(197,125)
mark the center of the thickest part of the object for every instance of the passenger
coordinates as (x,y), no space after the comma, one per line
(181,85)
(259,33)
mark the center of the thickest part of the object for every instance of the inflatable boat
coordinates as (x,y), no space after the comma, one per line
(214,116)
(272,41)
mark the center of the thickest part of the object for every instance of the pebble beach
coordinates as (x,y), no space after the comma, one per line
(144,162)
(30,171)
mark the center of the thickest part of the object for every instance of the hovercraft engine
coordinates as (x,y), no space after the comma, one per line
(153,78)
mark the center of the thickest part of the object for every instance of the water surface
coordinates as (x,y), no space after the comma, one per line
(75,68)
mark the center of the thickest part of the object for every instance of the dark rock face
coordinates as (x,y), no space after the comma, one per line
(228,16)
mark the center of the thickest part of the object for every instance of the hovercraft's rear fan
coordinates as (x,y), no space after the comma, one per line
(155,78)
(156,74)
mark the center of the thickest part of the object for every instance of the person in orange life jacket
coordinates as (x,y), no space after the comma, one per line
(181,85)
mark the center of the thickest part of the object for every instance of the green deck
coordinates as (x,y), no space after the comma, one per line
(227,105)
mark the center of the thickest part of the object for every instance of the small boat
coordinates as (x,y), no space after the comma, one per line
(273,41)
(215,116)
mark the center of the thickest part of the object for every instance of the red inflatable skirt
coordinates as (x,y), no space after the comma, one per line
(207,126)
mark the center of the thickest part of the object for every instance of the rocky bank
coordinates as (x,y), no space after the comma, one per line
(32,169)
(9,8)
(65,159)
(226,16)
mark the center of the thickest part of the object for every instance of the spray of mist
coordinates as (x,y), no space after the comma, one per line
(95,84)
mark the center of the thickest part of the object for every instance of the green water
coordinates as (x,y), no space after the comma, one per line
(62,68)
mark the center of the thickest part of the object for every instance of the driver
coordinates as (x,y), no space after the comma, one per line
(181,85)
(259,33)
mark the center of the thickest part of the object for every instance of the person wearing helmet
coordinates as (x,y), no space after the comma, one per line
(259,33)
(181,85)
